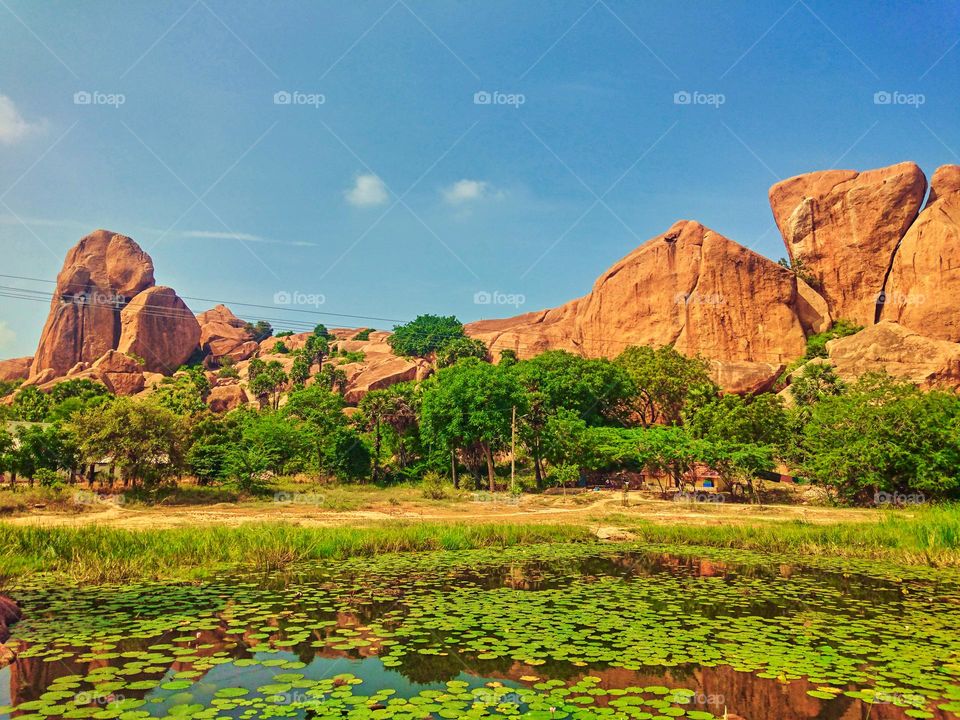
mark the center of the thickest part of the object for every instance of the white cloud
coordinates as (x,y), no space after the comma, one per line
(7,336)
(241,237)
(367,191)
(12,125)
(464,191)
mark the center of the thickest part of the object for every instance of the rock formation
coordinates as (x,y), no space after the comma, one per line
(689,287)
(100,275)
(224,335)
(9,614)
(844,227)
(901,353)
(15,368)
(224,398)
(158,327)
(924,284)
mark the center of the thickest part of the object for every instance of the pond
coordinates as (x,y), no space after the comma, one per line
(551,631)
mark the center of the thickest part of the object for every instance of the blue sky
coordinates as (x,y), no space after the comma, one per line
(387,187)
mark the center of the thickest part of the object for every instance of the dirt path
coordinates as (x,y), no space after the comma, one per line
(600,508)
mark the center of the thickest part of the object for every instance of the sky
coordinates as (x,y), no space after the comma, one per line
(387,158)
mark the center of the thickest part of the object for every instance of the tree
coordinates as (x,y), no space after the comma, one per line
(883,436)
(7,457)
(384,412)
(31,405)
(333,378)
(300,371)
(753,420)
(817,344)
(459,348)
(146,441)
(316,348)
(268,383)
(43,448)
(337,449)
(557,380)
(469,404)
(185,393)
(279,348)
(668,384)
(260,330)
(426,335)
(278,441)
(814,382)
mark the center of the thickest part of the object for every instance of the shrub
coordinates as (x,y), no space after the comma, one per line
(433,486)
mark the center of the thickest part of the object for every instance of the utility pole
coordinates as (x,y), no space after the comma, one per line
(513,450)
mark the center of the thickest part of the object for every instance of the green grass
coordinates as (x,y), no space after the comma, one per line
(920,536)
(94,554)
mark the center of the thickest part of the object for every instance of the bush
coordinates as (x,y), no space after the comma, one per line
(49,478)
(433,487)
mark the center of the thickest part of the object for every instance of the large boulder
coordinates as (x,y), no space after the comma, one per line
(120,373)
(691,288)
(158,326)
(15,369)
(100,275)
(924,283)
(745,378)
(224,335)
(900,352)
(9,614)
(224,398)
(381,373)
(844,227)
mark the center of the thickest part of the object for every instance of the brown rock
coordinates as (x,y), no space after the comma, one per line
(745,378)
(690,287)
(944,181)
(158,326)
(845,227)
(120,373)
(15,368)
(223,334)
(9,614)
(900,352)
(924,283)
(362,377)
(812,309)
(224,398)
(99,276)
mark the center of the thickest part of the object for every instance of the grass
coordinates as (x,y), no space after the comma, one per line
(99,555)
(920,536)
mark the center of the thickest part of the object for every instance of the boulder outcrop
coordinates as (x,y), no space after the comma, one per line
(901,353)
(15,368)
(843,228)
(924,282)
(9,614)
(158,326)
(224,398)
(224,335)
(689,287)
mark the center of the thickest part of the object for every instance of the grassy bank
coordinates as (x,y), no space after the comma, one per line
(94,554)
(921,536)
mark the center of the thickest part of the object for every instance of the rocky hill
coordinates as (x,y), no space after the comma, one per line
(863,247)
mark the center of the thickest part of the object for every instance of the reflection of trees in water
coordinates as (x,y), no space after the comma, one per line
(425,669)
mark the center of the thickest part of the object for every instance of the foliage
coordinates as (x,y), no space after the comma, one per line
(285,333)
(268,382)
(798,267)
(7,387)
(31,405)
(815,381)
(817,344)
(459,348)
(146,441)
(884,437)
(668,385)
(353,357)
(426,336)
(260,330)
(279,348)
(363,334)
(185,393)
(469,405)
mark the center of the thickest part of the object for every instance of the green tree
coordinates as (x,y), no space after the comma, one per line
(459,348)
(185,393)
(813,382)
(43,448)
(260,330)
(31,405)
(426,335)
(469,405)
(300,370)
(883,436)
(817,344)
(667,384)
(268,383)
(146,441)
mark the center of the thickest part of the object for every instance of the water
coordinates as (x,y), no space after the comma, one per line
(547,631)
